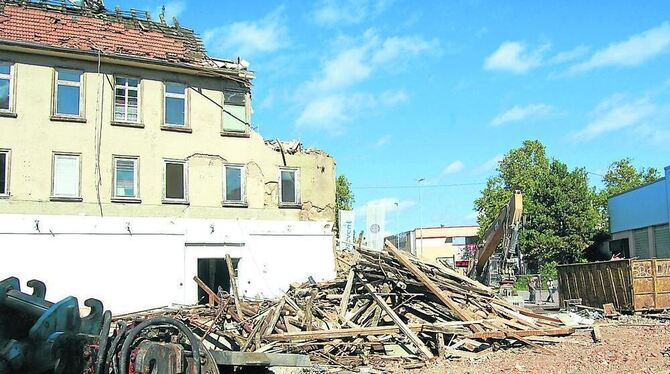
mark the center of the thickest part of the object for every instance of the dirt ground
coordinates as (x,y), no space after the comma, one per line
(623,349)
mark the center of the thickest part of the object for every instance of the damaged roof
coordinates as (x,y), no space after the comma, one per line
(91,28)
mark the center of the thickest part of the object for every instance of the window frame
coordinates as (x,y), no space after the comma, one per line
(8,158)
(55,197)
(80,84)
(10,77)
(243,185)
(136,178)
(224,111)
(139,99)
(167,200)
(185,95)
(296,186)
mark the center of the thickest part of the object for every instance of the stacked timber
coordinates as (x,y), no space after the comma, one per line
(385,304)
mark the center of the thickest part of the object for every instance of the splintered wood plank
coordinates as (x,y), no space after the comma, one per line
(213,297)
(275,316)
(423,278)
(403,327)
(233,285)
(344,303)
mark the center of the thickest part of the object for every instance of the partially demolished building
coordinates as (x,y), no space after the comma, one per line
(129,164)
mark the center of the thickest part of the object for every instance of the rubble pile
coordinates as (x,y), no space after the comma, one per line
(382,305)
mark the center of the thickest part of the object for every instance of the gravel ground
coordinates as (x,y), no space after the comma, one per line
(624,349)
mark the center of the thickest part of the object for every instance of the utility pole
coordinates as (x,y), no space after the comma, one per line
(419,181)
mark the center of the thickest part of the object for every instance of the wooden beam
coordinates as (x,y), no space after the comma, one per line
(233,286)
(521,333)
(432,287)
(344,303)
(360,331)
(213,297)
(275,316)
(403,327)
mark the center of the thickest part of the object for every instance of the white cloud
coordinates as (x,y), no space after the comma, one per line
(346,69)
(515,57)
(249,38)
(489,164)
(571,55)
(172,9)
(453,167)
(396,46)
(332,112)
(382,141)
(634,51)
(329,106)
(614,113)
(391,98)
(389,204)
(335,13)
(522,113)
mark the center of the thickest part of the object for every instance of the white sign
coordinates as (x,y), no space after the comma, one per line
(375,226)
(347,232)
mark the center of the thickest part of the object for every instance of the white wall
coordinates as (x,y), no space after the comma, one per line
(138,263)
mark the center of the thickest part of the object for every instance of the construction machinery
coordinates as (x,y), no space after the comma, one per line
(38,336)
(499,270)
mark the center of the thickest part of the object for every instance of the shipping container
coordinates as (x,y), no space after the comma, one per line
(631,285)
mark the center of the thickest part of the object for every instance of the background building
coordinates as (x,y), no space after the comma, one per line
(447,244)
(639,220)
(129,164)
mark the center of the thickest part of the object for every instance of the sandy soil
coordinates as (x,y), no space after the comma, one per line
(623,349)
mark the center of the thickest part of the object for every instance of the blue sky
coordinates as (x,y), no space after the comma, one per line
(401,90)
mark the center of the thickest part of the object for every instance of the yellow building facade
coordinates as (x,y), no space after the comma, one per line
(214,135)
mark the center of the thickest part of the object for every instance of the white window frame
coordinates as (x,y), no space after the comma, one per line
(176,96)
(53,176)
(173,200)
(10,77)
(296,186)
(126,87)
(71,84)
(136,177)
(8,156)
(243,187)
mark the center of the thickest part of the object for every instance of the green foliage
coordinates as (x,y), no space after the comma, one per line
(548,270)
(622,176)
(558,204)
(563,215)
(343,195)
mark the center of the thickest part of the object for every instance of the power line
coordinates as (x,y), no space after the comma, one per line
(422,186)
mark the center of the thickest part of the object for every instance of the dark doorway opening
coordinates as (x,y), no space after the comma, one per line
(214,273)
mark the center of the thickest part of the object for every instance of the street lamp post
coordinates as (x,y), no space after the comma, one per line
(420,215)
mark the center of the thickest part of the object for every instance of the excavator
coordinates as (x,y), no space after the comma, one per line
(504,229)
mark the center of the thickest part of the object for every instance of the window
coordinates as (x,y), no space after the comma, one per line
(126,99)
(641,242)
(65,176)
(235,112)
(175,104)
(68,92)
(448,240)
(289,187)
(5,87)
(125,177)
(175,181)
(233,189)
(4,173)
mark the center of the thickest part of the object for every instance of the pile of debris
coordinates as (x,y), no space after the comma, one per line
(383,305)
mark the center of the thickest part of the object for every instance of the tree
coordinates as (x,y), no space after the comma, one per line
(622,176)
(558,204)
(343,196)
